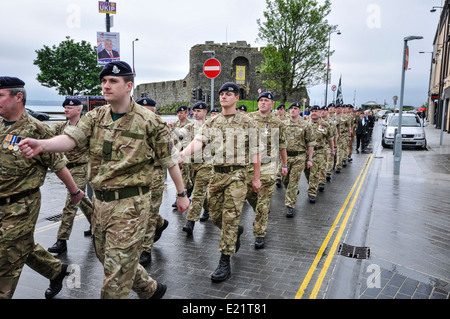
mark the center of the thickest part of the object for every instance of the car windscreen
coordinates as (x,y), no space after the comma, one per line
(410,121)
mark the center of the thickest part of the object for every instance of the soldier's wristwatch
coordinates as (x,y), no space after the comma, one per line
(182,194)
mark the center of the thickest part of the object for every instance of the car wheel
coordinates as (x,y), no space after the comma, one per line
(384,144)
(40,117)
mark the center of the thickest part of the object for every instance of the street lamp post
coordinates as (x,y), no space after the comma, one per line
(328,65)
(398,136)
(132,44)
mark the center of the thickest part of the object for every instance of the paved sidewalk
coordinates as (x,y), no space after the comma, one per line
(409,229)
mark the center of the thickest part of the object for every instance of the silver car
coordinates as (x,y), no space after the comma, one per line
(413,133)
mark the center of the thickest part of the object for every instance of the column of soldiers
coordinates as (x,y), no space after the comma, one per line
(201,156)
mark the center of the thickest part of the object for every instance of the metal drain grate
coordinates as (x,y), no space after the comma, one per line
(54,218)
(354,251)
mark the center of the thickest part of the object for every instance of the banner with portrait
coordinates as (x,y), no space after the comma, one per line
(108,47)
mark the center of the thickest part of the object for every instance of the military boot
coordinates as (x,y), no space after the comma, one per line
(259,242)
(59,247)
(238,241)
(56,284)
(158,231)
(289,212)
(312,199)
(321,187)
(145,258)
(189,227)
(223,270)
(205,215)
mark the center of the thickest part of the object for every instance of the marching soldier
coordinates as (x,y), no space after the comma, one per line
(228,186)
(281,112)
(182,114)
(77,166)
(329,115)
(156,224)
(317,171)
(201,171)
(328,152)
(344,133)
(123,139)
(272,138)
(20,197)
(300,140)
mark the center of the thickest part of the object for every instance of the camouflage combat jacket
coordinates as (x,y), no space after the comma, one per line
(122,152)
(17,173)
(231,139)
(299,135)
(323,134)
(187,134)
(77,155)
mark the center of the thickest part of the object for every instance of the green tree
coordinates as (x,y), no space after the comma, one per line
(296,33)
(70,67)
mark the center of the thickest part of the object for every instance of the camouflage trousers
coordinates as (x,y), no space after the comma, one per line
(79,174)
(119,227)
(315,173)
(17,246)
(226,199)
(329,161)
(201,175)
(296,165)
(260,201)
(155,220)
(341,149)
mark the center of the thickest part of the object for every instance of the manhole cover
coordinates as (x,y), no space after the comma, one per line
(354,251)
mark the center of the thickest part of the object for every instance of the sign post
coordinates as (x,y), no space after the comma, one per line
(212,69)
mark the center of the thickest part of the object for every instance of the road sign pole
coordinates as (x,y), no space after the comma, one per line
(212,94)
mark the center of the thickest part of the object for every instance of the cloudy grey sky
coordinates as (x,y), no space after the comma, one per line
(368,53)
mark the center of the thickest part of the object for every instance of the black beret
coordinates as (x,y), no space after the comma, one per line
(145,101)
(314,107)
(229,87)
(200,106)
(350,106)
(281,106)
(325,108)
(71,101)
(294,104)
(242,107)
(9,82)
(331,105)
(338,105)
(182,108)
(215,110)
(268,95)
(116,68)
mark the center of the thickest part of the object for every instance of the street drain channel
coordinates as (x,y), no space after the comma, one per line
(54,218)
(354,251)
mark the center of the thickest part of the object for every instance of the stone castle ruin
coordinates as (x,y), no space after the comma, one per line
(239,64)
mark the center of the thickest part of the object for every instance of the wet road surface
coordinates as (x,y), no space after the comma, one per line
(402,221)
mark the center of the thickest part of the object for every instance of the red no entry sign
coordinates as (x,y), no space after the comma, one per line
(212,68)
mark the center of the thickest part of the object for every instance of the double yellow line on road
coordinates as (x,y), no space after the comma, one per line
(356,186)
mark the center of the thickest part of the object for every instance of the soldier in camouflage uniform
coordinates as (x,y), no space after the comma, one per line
(227,136)
(323,135)
(20,197)
(182,113)
(272,139)
(353,118)
(329,152)
(122,137)
(343,137)
(281,112)
(201,170)
(300,148)
(332,119)
(77,166)
(156,224)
